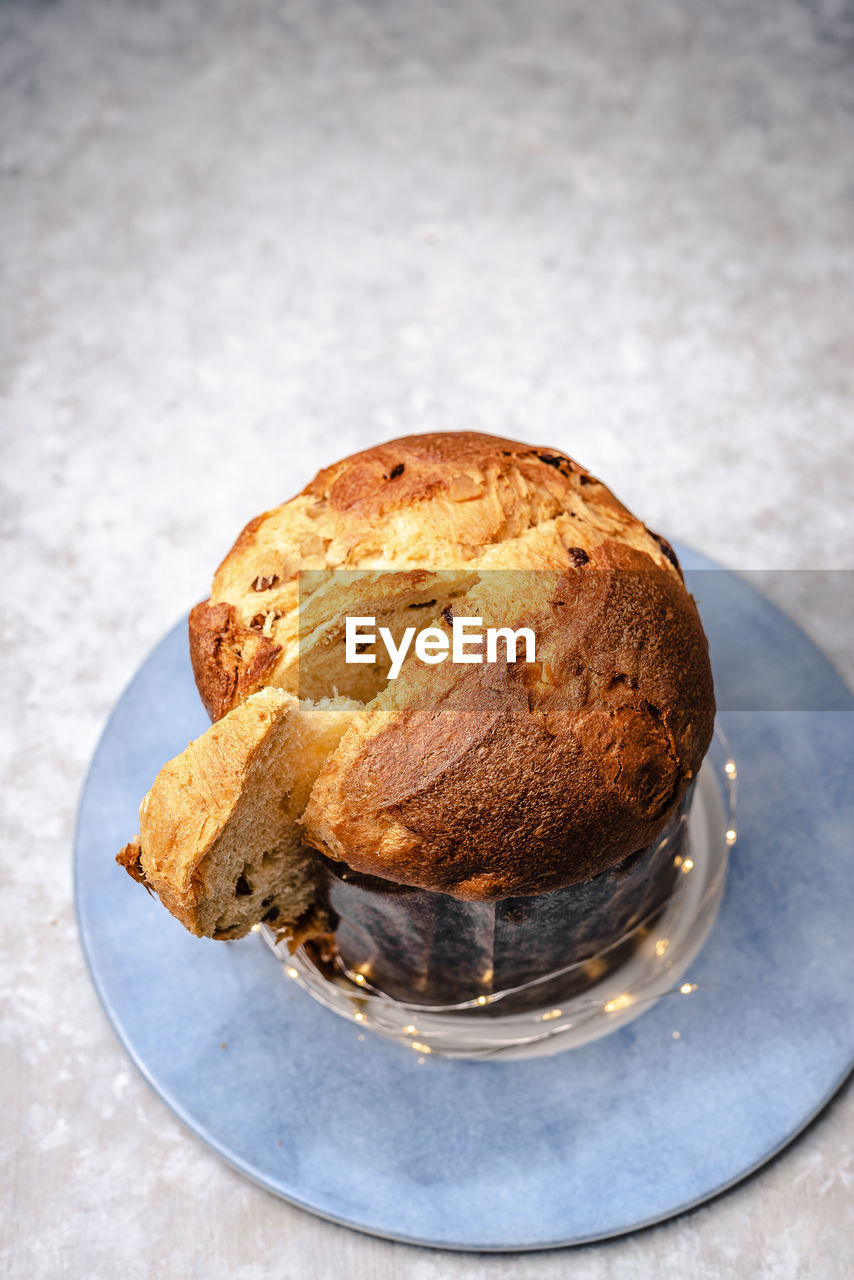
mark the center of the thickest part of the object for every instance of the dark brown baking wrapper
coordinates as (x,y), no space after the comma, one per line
(428,948)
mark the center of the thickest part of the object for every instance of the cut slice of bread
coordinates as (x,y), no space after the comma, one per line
(220,841)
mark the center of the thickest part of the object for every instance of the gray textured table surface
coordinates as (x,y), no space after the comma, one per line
(240,240)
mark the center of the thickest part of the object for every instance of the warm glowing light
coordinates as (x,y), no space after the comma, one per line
(661,946)
(419,1047)
(677,861)
(620,1002)
(481,999)
(360,1017)
(552,1013)
(687,865)
(411,1030)
(291,971)
(731,836)
(687,988)
(729,769)
(256,928)
(675,1035)
(360,978)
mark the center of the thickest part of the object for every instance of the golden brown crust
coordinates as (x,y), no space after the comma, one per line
(130,857)
(491,781)
(230,661)
(414,468)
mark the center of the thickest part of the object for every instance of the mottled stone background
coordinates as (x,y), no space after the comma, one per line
(240,239)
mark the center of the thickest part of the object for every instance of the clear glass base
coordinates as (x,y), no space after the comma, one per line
(651,959)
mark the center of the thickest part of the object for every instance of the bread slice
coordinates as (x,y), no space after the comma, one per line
(219,834)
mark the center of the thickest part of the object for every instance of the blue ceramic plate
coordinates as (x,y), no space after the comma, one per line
(511,1155)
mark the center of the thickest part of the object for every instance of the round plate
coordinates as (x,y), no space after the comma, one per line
(606,1138)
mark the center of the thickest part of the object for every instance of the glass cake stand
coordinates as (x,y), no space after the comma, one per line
(641,967)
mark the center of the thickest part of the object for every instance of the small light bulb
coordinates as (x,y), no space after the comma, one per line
(687,865)
(730,769)
(731,836)
(291,971)
(619,1002)
(661,946)
(687,988)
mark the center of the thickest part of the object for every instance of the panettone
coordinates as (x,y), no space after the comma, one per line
(483,781)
